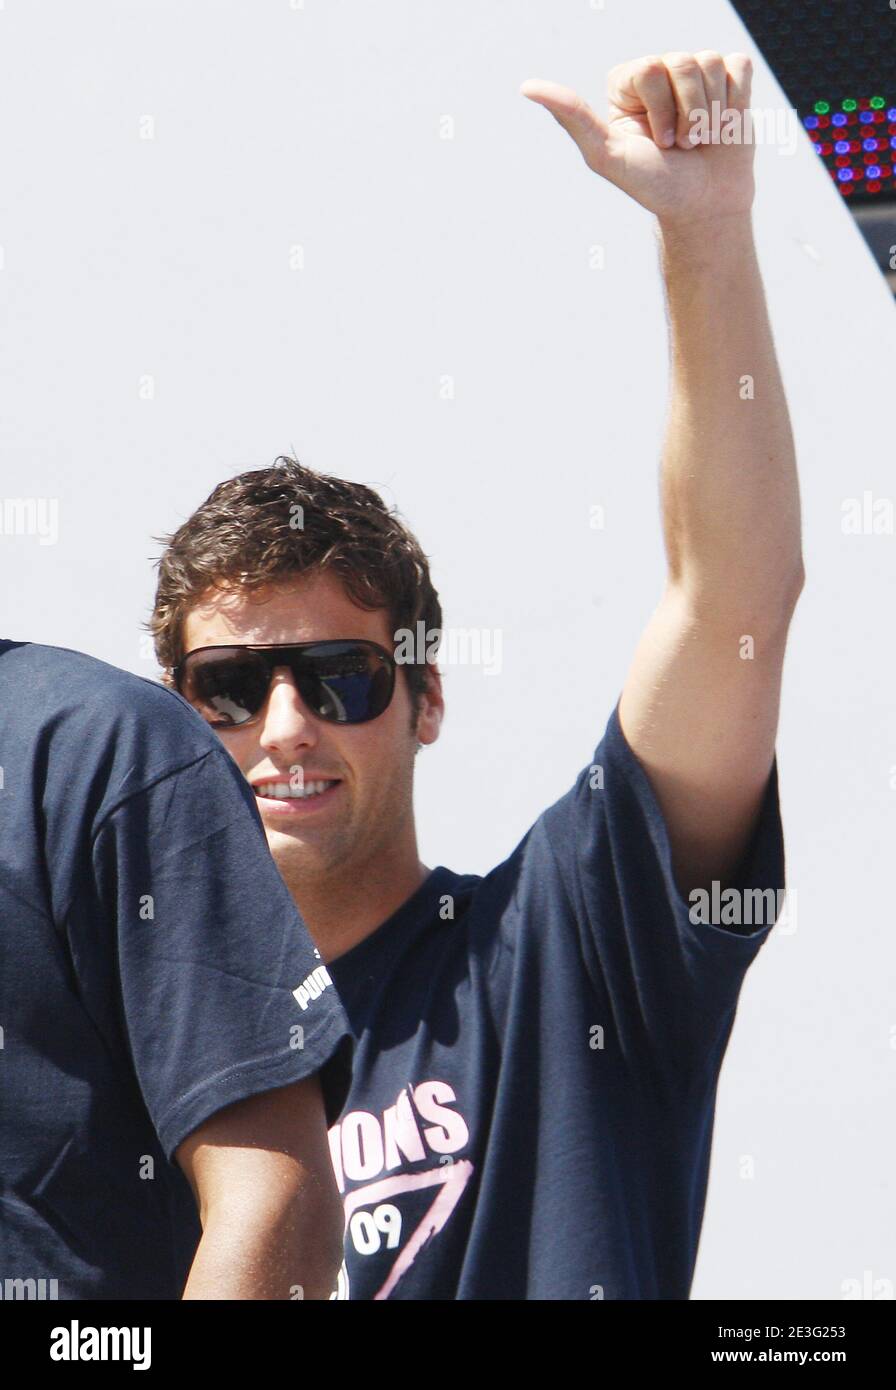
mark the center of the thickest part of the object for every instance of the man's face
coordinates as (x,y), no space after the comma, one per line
(366,816)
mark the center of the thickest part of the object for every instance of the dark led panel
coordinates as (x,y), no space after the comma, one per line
(837,65)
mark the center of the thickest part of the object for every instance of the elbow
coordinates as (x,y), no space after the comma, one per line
(793,587)
(761,602)
(773,606)
(799,578)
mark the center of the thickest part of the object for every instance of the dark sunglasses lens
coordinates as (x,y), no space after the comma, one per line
(226,690)
(345,686)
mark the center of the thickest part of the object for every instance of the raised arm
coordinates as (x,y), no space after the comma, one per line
(700,704)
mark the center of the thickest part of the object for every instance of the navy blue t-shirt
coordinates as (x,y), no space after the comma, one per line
(537,1058)
(153,969)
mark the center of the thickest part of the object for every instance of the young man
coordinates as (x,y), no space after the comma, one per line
(538,1049)
(153,1040)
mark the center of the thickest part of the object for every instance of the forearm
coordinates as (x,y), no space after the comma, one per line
(731,511)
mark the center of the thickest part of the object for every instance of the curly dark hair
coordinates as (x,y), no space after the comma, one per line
(274,523)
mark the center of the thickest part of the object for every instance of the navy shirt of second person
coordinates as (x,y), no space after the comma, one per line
(153,969)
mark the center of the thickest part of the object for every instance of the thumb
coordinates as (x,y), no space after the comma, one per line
(575,116)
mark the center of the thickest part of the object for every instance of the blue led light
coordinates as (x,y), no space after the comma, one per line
(842,147)
(839,119)
(844,175)
(869,144)
(891,114)
(810,122)
(893,142)
(873,171)
(866,116)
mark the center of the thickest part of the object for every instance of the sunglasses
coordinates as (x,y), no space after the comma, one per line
(343,682)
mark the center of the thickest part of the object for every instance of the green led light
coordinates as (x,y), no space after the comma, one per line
(821,108)
(849,104)
(877,103)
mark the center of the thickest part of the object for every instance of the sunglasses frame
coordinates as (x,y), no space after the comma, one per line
(388,659)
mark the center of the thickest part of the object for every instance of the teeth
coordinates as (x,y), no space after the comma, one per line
(283,791)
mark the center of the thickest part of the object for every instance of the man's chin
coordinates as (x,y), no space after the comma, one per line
(293,850)
(287,838)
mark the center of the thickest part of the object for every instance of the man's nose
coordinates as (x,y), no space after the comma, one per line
(287,719)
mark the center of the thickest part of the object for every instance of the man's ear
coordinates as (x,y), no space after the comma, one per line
(432,708)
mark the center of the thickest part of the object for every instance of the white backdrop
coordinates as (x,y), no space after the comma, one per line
(236,229)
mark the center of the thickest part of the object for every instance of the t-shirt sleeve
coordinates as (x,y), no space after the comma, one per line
(667,970)
(222,994)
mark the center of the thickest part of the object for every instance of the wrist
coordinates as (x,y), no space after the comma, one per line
(708,229)
(706,241)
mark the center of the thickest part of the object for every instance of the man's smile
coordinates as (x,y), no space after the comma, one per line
(281,796)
